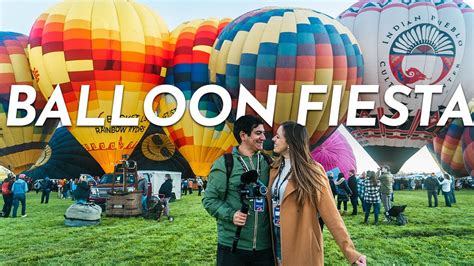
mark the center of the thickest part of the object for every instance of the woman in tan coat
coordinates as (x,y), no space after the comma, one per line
(300,192)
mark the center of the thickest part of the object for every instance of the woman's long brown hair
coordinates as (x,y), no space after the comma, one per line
(307,175)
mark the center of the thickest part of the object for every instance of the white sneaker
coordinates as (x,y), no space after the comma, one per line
(23,216)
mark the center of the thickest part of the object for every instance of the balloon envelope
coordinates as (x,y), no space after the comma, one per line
(156,151)
(20,146)
(191,44)
(336,152)
(289,48)
(101,44)
(410,43)
(468,144)
(64,157)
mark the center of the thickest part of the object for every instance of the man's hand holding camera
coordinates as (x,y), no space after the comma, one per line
(239,218)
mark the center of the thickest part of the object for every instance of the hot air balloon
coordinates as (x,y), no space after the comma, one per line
(289,48)
(64,157)
(336,152)
(410,43)
(447,149)
(468,144)
(191,43)
(156,151)
(20,147)
(101,44)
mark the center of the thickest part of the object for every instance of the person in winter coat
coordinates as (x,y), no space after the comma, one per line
(19,189)
(332,184)
(352,182)
(386,187)
(446,188)
(371,196)
(82,192)
(431,184)
(46,187)
(166,190)
(343,192)
(7,194)
(299,190)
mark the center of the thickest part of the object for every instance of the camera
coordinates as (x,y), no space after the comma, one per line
(251,187)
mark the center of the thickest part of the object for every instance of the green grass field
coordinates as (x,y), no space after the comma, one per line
(433,236)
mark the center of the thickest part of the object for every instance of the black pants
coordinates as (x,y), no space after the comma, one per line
(45,196)
(184,190)
(354,202)
(339,204)
(199,191)
(7,206)
(432,193)
(244,257)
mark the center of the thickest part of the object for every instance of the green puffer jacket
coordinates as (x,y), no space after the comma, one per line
(252,237)
(386,183)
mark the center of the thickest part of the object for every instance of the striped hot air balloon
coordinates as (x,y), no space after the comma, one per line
(447,149)
(287,47)
(101,44)
(191,43)
(336,152)
(20,147)
(468,144)
(410,42)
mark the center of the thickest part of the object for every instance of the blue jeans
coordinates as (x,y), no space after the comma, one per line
(144,204)
(367,208)
(447,196)
(17,198)
(276,230)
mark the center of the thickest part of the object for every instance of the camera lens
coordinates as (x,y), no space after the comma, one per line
(263,190)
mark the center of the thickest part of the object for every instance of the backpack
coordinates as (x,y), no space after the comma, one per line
(6,188)
(229,164)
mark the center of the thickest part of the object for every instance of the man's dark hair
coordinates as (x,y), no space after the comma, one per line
(246,124)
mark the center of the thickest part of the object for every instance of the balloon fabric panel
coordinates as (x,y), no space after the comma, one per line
(20,147)
(101,44)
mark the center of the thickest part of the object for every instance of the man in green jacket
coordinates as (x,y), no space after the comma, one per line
(222,200)
(386,187)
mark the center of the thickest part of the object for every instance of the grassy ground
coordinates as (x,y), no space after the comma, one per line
(433,236)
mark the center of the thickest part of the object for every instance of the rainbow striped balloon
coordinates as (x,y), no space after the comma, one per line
(101,44)
(468,144)
(447,149)
(287,47)
(192,43)
(20,147)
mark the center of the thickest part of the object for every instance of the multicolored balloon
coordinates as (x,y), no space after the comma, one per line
(156,151)
(468,144)
(411,43)
(191,43)
(336,152)
(288,47)
(447,149)
(20,147)
(101,44)
(64,157)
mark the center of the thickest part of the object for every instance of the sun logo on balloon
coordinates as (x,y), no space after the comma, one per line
(425,40)
(158,147)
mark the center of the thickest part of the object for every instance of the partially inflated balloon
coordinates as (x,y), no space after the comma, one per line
(101,44)
(336,152)
(409,42)
(289,48)
(191,43)
(447,149)
(20,147)
(64,157)
(468,144)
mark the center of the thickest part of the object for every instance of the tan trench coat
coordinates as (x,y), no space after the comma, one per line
(301,236)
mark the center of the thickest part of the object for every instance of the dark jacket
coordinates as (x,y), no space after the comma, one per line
(352,182)
(143,186)
(82,191)
(46,185)
(166,188)
(333,186)
(343,190)
(431,183)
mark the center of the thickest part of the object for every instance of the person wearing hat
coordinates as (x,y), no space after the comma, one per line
(19,189)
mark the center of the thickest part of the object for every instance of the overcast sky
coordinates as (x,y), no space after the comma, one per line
(19,15)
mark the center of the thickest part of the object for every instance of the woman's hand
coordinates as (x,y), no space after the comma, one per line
(361,261)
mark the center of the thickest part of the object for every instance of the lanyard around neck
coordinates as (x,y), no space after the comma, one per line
(276,189)
(245,166)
